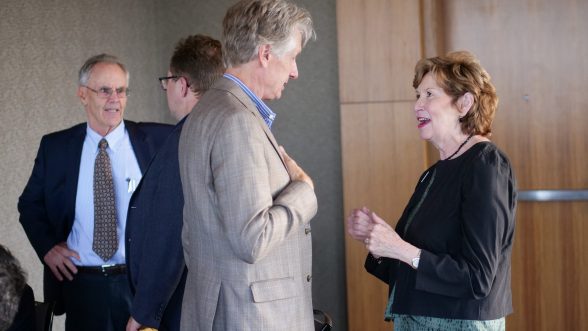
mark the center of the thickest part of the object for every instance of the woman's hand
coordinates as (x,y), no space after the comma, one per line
(384,241)
(359,224)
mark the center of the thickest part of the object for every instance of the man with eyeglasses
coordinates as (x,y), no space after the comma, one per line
(74,206)
(155,259)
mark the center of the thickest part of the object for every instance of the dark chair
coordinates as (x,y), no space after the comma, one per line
(322,321)
(44,316)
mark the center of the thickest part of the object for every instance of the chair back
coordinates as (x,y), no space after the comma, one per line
(44,316)
(322,321)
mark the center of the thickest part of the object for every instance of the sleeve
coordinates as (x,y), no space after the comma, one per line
(32,207)
(254,221)
(162,261)
(485,224)
(383,268)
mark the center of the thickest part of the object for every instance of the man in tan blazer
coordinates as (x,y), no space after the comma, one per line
(248,205)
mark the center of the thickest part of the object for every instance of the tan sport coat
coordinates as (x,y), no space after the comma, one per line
(246,233)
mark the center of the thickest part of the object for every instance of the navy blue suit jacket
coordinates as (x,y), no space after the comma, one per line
(47,204)
(155,259)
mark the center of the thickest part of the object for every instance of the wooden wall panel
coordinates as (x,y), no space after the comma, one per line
(433,27)
(382,160)
(536,54)
(379,44)
(378,48)
(540,73)
(549,267)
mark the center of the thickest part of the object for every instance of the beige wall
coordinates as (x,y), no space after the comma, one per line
(45,42)
(43,45)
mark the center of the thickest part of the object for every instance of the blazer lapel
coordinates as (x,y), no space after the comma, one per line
(234,89)
(140,145)
(72,166)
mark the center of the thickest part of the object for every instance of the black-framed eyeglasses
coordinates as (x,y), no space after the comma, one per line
(106,92)
(163,81)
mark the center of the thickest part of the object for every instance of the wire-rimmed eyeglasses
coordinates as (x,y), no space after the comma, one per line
(106,92)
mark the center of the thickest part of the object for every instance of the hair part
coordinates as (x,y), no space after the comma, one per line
(458,73)
(86,69)
(198,58)
(248,24)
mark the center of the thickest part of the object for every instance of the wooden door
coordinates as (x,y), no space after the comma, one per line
(537,54)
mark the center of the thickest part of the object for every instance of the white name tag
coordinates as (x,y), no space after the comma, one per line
(132,185)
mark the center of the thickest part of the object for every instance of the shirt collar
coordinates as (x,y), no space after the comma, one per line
(266,113)
(113,138)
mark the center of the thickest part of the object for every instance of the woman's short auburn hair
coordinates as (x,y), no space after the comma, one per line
(458,73)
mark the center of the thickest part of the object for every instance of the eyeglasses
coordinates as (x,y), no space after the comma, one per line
(163,81)
(106,92)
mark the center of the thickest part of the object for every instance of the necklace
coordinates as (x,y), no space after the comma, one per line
(459,148)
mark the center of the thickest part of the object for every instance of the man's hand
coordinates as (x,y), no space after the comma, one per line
(295,172)
(133,325)
(57,259)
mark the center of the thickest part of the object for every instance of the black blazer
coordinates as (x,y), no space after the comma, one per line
(154,254)
(465,228)
(47,204)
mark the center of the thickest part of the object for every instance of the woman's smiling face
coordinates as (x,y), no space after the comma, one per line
(436,114)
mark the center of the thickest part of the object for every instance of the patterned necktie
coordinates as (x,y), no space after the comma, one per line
(105,220)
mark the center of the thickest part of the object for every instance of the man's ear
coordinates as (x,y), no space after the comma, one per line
(465,103)
(82,94)
(185,88)
(264,53)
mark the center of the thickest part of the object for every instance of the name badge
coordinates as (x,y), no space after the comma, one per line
(132,185)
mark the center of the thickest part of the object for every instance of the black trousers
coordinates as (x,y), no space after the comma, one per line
(97,302)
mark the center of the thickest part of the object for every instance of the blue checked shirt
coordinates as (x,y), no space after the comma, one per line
(266,113)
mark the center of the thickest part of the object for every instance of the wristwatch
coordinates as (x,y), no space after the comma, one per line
(416,260)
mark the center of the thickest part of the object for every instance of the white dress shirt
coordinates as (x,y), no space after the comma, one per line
(126,175)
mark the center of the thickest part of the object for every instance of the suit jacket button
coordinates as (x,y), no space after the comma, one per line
(308,278)
(307,231)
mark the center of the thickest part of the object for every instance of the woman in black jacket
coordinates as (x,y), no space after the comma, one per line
(447,262)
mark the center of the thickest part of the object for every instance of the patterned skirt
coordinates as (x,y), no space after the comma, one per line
(423,323)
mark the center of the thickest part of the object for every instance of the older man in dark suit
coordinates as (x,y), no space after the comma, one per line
(74,206)
(154,224)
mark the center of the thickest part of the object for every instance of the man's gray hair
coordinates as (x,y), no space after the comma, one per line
(86,69)
(249,24)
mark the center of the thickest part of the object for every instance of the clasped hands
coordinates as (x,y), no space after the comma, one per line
(378,236)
